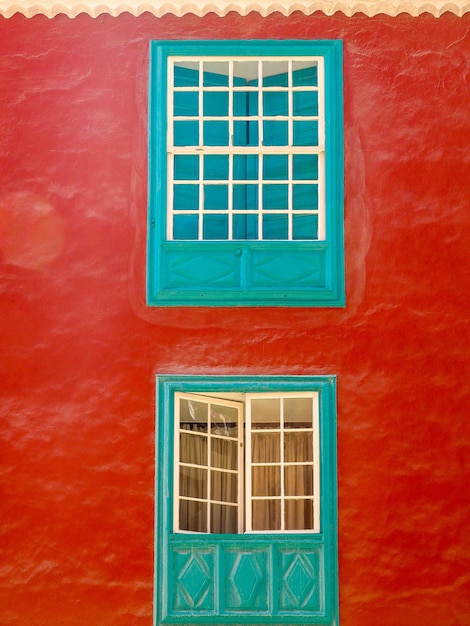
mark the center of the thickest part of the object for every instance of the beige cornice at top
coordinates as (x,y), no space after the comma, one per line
(71,8)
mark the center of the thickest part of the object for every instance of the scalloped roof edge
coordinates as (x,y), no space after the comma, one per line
(51,8)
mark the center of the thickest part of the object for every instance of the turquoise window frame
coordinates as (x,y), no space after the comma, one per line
(245,272)
(252,578)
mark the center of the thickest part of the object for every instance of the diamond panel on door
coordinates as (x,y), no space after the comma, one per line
(194,580)
(247,580)
(301,581)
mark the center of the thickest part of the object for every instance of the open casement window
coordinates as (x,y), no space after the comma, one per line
(246,500)
(271,440)
(246,173)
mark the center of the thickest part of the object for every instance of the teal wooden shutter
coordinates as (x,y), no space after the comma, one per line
(228,242)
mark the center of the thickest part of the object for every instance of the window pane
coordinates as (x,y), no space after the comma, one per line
(215,134)
(266,481)
(224,453)
(298,447)
(215,227)
(275,167)
(224,420)
(299,515)
(224,519)
(224,487)
(185,103)
(275,103)
(275,134)
(216,167)
(306,133)
(305,166)
(216,197)
(305,227)
(305,197)
(298,480)
(192,411)
(298,412)
(186,167)
(245,227)
(193,482)
(275,74)
(185,197)
(275,197)
(193,516)
(304,76)
(187,76)
(305,103)
(193,448)
(215,74)
(265,413)
(266,515)
(185,227)
(275,227)
(265,447)
(215,103)
(186,133)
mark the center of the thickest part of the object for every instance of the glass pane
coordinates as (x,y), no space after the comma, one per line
(185,197)
(224,519)
(265,413)
(298,480)
(224,420)
(215,134)
(216,197)
(215,74)
(245,227)
(275,73)
(305,166)
(186,133)
(192,411)
(216,167)
(275,103)
(245,167)
(215,103)
(275,197)
(185,227)
(298,412)
(245,70)
(185,103)
(187,76)
(298,447)
(266,515)
(265,447)
(193,449)
(193,482)
(224,453)
(306,103)
(299,515)
(275,167)
(224,487)
(305,227)
(305,197)
(275,134)
(186,167)
(215,227)
(193,516)
(275,227)
(306,133)
(304,76)
(266,481)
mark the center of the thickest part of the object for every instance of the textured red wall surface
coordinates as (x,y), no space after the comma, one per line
(80,351)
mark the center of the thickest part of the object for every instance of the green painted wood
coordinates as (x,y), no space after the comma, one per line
(281,578)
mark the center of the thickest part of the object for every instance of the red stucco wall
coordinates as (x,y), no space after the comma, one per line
(80,351)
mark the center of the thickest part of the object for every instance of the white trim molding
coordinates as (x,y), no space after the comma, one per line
(72,8)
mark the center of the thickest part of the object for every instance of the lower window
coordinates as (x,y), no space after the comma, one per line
(246,500)
(250,464)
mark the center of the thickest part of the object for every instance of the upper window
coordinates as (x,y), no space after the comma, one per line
(246,173)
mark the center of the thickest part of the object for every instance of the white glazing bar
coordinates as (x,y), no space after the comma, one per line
(282,468)
(316,463)
(260,148)
(321,157)
(248,465)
